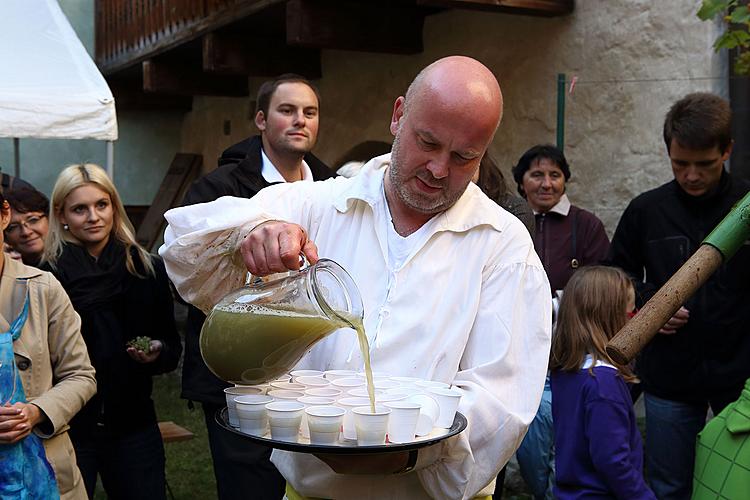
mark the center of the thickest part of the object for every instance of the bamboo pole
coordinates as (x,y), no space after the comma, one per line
(719,246)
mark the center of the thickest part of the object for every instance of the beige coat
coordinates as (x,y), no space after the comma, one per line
(52,359)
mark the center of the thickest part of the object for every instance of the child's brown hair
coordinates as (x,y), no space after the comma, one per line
(592,310)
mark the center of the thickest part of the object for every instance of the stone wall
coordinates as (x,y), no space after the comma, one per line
(633,58)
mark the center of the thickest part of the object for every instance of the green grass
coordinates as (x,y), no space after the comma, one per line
(189,472)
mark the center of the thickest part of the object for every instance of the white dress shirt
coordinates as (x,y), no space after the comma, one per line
(469,305)
(271,174)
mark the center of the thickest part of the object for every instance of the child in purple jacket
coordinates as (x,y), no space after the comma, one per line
(598,450)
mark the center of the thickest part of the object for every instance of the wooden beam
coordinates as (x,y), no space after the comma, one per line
(176,78)
(184,169)
(236,54)
(370,26)
(545,8)
(127,98)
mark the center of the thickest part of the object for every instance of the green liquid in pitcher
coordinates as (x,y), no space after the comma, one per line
(279,339)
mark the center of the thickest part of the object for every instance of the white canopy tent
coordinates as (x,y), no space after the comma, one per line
(49,86)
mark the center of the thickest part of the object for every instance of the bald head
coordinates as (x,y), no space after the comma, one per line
(459,81)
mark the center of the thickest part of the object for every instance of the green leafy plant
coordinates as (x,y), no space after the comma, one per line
(141,343)
(736,14)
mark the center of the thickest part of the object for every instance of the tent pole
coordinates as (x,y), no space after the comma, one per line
(16,157)
(111,160)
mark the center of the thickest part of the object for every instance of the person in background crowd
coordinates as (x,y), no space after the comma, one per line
(451,287)
(122,293)
(53,379)
(702,357)
(491,181)
(598,446)
(566,238)
(287,115)
(28,223)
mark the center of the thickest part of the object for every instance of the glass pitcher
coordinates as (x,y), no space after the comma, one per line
(259,332)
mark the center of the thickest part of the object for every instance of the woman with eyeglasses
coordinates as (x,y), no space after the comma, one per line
(121,292)
(28,224)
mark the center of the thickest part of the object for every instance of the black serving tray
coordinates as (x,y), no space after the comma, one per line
(346,447)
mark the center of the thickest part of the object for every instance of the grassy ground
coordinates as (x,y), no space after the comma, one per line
(189,471)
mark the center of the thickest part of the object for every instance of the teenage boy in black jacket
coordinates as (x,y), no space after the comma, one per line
(702,356)
(287,117)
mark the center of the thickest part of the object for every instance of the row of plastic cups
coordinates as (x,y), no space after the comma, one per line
(438,403)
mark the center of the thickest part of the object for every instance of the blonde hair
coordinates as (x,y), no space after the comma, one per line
(72,178)
(592,310)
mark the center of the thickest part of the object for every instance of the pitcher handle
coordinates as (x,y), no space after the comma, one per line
(251,280)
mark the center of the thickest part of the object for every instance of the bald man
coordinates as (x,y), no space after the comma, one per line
(452,288)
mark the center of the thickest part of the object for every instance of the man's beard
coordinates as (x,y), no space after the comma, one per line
(414,200)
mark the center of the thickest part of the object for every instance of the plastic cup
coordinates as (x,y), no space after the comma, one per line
(406,381)
(283,394)
(382,384)
(311,381)
(371,428)
(263,387)
(447,400)
(361,392)
(252,414)
(324,423)
(426,384)
(428,413)
(229,394)
(289,386)
(324,392)
(349,430)
(404,390)
(347,383)
(284,418)
(311,401)
(334,374)
(305,373)
(375,375)
(402,424)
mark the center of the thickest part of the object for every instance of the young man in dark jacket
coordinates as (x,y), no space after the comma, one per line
(287,117)
(702,356)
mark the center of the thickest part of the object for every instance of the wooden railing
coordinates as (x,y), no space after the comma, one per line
(127,31)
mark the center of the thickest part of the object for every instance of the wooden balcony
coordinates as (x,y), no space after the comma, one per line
(178,47)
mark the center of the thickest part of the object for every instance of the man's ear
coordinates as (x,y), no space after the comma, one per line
(728,152)
(398,113)
(260,120)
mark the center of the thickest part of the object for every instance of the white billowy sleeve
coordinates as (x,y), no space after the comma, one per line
(201,242)
(501,376)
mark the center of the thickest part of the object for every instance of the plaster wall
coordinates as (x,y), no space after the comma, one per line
(632,59)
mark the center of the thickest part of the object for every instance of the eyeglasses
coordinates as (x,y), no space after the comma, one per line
(30,222)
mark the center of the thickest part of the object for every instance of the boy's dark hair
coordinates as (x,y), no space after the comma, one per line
(699,121)
(25,200)
(536,153)
(267,89)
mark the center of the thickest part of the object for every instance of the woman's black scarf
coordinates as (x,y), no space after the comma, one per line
(91,282)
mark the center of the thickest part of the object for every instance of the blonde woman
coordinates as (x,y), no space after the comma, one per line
(121,292)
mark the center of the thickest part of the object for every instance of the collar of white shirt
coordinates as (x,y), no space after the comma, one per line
(562,207)
(271,174)
(472,209)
